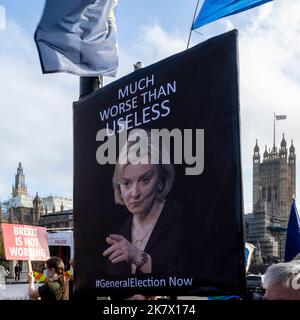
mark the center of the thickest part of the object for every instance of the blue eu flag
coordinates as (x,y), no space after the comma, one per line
(215,9)
(292,245)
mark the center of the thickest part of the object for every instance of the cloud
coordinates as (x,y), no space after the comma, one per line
(36,118)
(269,77)
(2,18)
(269,56)
(152,45)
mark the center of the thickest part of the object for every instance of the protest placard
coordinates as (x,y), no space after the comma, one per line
(22,242)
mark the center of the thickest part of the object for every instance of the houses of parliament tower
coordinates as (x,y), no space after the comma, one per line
(274,181)
(274,185)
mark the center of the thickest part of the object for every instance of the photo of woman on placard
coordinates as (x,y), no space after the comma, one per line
(150,240)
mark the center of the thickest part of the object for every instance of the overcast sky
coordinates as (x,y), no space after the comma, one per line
(36,109)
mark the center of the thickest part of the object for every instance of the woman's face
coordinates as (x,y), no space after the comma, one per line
(138,187)
(48,271)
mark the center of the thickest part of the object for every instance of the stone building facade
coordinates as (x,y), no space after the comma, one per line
(51,212)
(274,185)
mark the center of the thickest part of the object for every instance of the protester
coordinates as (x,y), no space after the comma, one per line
(7,274)
(17,272)
(56,288)
(282,281)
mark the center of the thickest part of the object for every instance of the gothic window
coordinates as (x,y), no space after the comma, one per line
(269,193)
(264,193)
(275,192)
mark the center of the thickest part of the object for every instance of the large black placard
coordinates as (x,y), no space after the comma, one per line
(195,92)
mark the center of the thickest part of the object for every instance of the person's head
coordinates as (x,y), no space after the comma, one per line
(142,175)
(55,270)
(282,281)
(54,266)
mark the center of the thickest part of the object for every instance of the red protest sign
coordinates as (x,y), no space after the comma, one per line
(23,242)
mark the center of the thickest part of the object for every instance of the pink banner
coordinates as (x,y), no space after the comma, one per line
(23,242)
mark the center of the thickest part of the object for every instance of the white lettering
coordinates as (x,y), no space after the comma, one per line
(132,88)
(184,143)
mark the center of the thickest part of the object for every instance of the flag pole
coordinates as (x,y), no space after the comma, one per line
(274,132)
(29,266)
(192,24)
(89,85)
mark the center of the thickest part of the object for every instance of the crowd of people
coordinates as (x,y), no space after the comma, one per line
(281,282)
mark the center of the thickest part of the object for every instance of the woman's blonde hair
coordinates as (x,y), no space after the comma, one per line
(135,149)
